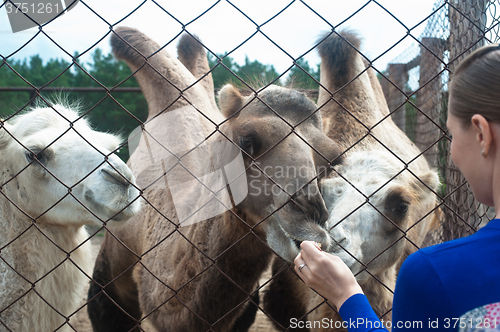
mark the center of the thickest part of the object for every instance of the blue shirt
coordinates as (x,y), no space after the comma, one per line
(437,285)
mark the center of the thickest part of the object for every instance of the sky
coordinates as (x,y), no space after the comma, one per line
(223,27)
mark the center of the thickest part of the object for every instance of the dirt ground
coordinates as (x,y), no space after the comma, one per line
(81,322)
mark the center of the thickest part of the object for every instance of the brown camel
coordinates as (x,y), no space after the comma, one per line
(380,203)
(184,273)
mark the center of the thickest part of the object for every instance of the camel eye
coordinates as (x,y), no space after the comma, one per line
(36,155)
(402,208)
(397,203)
(246,144)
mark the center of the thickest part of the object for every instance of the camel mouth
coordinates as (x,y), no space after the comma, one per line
(124,214)
(124,211)
(285,239)
(308,230)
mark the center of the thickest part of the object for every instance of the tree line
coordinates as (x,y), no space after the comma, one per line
(124,111)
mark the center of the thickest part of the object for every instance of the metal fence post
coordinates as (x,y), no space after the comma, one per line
(395,98)
(429,98)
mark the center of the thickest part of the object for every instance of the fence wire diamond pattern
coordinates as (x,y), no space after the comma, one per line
(199,229)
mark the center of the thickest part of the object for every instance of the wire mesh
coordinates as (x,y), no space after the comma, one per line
(156,273)
(455,30)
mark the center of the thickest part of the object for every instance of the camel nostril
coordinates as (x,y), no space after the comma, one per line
(320,211)
(323,214)
(114,177)
(314,207)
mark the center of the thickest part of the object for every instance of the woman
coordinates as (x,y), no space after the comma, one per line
(439,284)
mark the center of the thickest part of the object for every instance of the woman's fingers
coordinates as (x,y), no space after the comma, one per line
(311,249)
(308,263)
(325,273)
(301,267)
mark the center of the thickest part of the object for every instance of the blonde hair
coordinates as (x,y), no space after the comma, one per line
(475,86)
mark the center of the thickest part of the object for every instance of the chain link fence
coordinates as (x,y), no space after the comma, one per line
(228,188)
(455,30)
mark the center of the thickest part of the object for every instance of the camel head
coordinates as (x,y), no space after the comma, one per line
(285,151)
(374,203)
(58,170)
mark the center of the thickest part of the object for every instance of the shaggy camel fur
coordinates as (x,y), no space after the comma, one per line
(197,276)
(53,181)
(380,202)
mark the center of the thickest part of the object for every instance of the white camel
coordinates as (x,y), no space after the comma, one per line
(56,175)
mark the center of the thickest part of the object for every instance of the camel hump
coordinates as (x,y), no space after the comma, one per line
(165,82)
(337,50)
(192,55)
(189,51)
(132,45)
(347,76)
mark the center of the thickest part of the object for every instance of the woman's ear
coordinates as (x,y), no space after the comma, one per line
(484,135)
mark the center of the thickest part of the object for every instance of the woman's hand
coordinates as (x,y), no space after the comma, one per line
(327,274)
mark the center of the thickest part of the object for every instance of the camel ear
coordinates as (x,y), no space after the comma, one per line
(4,135)
(106,140)
(230,100)
(425,182)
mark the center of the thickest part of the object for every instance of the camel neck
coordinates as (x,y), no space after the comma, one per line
(241,259)
(241,244)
